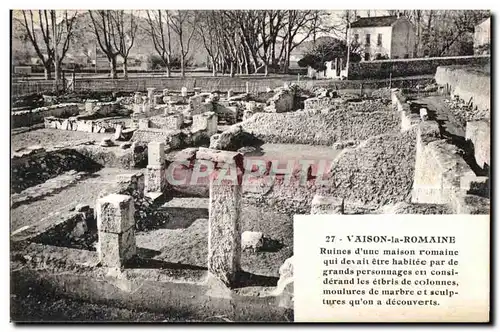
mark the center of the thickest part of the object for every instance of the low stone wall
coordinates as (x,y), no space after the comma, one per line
(440,173)
(468,83)
(133,157)
(76,124)
(478,132)
(31,117)
(408,119)
(409,67)
(173,138)
(320,103)
(169,122)
(321,128)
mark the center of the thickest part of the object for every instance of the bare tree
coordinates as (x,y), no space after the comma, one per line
(55,38)
(158,28)
(303,23)
(182,23)
(124,35)
(208,28)
(105,32)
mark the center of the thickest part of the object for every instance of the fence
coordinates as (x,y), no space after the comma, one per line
(237,84)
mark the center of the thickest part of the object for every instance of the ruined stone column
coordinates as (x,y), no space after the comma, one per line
(155,178)
(184,91)
(89,105)
(151,94)
(116,229)
(224,229)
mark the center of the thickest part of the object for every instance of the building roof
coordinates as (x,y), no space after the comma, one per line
(376,21)
(483,20)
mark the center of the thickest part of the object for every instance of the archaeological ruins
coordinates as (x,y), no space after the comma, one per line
(184,200)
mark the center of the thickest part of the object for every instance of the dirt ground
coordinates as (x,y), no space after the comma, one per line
(32,307)
(49,137)
(184,238)
(44,210)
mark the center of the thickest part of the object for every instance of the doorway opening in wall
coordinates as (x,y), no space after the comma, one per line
(367,56)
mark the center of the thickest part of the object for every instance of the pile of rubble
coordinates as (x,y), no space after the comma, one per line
(465,111)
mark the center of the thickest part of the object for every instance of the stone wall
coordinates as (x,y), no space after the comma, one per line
(408,119)
(76,124)
(132,157)
(409,67)
(169,122)
(443,177)
(478,132)
(173,138)
(468,82)
(31,117)
(321,128)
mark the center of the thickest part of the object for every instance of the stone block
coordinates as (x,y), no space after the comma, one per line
(184,91)
(327,205)
(136,181)
(155,178)
(220,156)
(224,233)
(143,123)
(137,108)
(151,92)
(115,249)
(206,121)
(156,153)
(115,213)
(138,98)
(197,91)
(89,106)
(196,104)
(252,241)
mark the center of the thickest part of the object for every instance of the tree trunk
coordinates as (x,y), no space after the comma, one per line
(266,69)
(214,66)
(46,72)
(125,68)
(231,70)
(112,64)
(182,66)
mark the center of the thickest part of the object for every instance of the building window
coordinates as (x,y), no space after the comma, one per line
(379,39)
(367,56)
(367,42)
(356,38)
